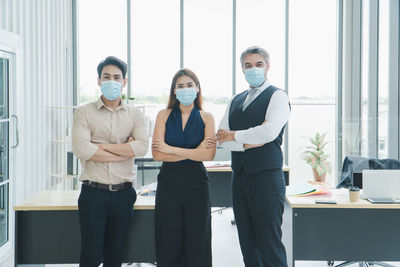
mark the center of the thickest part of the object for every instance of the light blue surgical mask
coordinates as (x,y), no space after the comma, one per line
(111,89)
(186,96)
(255,76)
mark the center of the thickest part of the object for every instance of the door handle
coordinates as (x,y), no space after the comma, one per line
(16,130)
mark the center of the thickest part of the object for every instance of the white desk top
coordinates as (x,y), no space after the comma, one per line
(211,168)
(68,200)
(342,198)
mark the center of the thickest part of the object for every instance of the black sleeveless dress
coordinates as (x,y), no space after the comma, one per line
(183,212)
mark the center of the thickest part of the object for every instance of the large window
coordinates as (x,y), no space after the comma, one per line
(312,66)
(365,122)
(207,38)
(201,35)
(208,50)
(261,23)
(102,33)
(383,115)
(155,53)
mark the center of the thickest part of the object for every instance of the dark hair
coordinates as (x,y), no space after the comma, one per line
(173,102)
(112,61)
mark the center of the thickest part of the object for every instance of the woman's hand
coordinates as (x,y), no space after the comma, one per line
(162,147)
(209,142)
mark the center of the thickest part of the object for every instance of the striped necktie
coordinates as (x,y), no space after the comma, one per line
(250,97)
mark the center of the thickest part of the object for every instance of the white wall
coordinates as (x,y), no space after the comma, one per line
(46,29)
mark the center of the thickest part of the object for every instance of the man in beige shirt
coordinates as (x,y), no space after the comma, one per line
(106,136)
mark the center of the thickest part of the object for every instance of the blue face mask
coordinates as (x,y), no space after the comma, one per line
(186,96)
(111,89)
(255,76)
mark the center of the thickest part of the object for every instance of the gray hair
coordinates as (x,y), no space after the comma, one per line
(254,50)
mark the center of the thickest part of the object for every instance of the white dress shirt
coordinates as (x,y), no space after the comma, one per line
(277,115)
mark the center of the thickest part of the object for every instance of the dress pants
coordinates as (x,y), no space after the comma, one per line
(183,216)
(258,204)
(104,220)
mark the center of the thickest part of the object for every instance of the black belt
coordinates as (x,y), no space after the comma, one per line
(111,187)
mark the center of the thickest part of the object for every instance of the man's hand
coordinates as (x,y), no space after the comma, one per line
(225,136)
(98,144)
(103,146)
(162,147)
(208,143)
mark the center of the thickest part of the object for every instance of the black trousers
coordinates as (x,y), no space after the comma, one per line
(104,220)
(183,216)
(258,204)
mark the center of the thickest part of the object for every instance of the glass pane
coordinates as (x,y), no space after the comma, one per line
(3,214)
(155,52)
(364,83)
(4,150)
(383,83)
(3,115)
(299,134)
(312,49)
(312,70)
(102,33)
(3,88)
(261,23)
(208,50)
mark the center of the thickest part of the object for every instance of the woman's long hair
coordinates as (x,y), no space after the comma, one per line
(173,102)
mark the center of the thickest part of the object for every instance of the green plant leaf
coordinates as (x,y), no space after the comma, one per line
(312,141)
(323,137)
(323,145)
(310,147)
(324,157)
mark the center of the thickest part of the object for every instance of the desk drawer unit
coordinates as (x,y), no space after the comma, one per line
(53,237)
(346,234)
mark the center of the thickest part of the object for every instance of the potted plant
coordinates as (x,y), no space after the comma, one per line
(315,156)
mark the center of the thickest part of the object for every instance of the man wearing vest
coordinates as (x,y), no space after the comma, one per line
(252,128)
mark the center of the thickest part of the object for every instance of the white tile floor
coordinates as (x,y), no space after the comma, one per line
(226,250)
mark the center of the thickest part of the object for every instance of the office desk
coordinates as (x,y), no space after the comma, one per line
(220,185)
(47,230)
(345,231)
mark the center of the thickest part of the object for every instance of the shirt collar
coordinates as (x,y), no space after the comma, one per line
(100,104)
(262,87)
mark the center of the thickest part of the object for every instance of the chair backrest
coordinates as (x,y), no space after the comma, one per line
(351,165)
(354,165)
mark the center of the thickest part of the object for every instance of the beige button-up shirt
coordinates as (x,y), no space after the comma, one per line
(97,123)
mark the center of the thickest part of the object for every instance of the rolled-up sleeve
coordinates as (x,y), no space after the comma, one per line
(81,137)
(224,125)
(140,145)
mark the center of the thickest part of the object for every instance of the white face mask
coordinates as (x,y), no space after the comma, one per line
(255,76)
(186,96)
(111,89)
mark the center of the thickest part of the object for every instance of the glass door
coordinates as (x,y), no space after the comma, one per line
(6,63)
